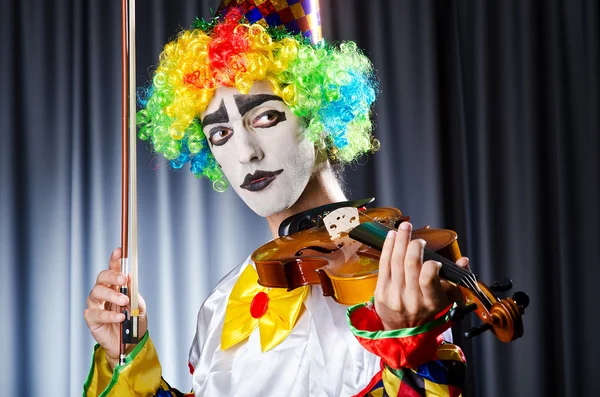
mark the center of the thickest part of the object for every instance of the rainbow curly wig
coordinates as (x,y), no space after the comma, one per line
(330,88)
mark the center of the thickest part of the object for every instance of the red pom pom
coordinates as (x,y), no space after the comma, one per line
(259,305)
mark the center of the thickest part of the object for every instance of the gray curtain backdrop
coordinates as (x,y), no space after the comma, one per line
(488,118)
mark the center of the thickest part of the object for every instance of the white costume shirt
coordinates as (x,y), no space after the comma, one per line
(320,357)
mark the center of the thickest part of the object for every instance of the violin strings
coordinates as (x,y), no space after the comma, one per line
(467,278)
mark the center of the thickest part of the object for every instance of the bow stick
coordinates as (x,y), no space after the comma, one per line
(129,327)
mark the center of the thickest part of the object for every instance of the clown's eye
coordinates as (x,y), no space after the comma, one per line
(268,119)
(220,135)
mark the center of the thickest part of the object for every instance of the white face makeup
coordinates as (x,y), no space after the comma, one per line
(258,143)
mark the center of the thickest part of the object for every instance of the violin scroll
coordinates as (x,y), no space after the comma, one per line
(501,316)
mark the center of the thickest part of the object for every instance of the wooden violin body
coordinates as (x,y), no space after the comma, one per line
(347,269)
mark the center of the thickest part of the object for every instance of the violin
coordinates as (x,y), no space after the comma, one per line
(339,248)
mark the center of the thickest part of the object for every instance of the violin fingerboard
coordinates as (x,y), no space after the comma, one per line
(372,234)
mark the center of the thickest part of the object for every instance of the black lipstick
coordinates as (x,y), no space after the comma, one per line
(259,180)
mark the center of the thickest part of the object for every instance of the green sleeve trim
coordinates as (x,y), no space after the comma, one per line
(118,368)
(88,380)
(396,333)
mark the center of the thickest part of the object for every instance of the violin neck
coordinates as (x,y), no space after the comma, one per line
(449,270)
(374,234)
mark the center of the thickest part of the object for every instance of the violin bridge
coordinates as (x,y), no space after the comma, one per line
(340,221)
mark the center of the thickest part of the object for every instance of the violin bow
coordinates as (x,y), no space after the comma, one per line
(129,328)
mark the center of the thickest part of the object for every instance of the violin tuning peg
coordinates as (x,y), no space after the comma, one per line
(477,330)
(459,312)
(521,300)
(501,286)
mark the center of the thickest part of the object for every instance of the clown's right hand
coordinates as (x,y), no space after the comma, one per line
(100,316)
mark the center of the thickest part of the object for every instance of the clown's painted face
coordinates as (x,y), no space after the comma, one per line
(258,142)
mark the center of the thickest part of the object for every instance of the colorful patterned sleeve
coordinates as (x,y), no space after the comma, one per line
(414,361)
(139,377)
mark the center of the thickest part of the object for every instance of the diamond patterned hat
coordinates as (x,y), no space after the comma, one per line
(297,16)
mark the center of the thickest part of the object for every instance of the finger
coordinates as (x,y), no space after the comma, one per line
(399,254)
(452,291)
(114,262)
(413,263)
(111,277)
(98,317)
(434,296)
(102,293)
(464,263)
(386,254)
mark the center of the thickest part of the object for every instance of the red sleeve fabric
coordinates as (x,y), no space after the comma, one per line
(415,361)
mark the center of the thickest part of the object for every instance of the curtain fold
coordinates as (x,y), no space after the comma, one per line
(489,123)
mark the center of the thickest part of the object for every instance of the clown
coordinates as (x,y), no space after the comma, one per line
(272,111)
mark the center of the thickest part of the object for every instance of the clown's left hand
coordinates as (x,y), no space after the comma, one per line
(409,291)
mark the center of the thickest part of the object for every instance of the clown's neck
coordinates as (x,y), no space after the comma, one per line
(322,188)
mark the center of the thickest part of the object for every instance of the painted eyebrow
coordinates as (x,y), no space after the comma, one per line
(220,116)
(245,103)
